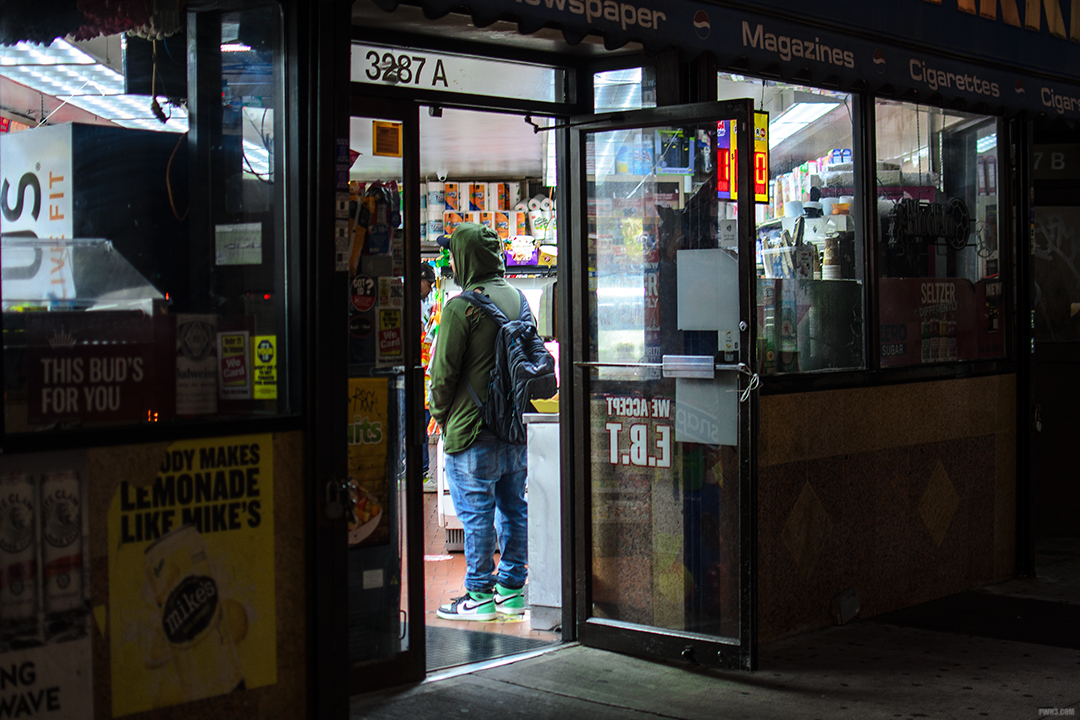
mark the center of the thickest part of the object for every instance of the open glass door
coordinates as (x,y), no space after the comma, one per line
(665,468)
(380,251)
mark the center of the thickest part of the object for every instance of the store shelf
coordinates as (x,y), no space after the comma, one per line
(843,223)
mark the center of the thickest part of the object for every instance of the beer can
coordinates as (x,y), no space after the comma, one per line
(62,551)
(192,616)
(18,554)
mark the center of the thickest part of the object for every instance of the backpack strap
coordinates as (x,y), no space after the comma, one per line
(525,314)
(488,306)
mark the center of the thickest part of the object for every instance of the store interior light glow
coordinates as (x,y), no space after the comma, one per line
(984,144)
(69,74)
(625,292)
(917,156)
(60,52)
(131,111)
(628,76)
(257,157)
(795,118)
(67,79)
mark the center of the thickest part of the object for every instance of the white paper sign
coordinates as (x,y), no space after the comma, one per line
(52,681)
(707,411)
(36,182)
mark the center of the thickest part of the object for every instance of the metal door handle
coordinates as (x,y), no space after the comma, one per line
(677,366)
(689,366)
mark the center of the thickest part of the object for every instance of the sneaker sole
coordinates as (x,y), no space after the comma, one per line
(474,616)
(511,610)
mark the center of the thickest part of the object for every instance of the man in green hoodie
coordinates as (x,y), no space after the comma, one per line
(486,475)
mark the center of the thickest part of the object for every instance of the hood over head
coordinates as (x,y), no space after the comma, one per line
(478,254)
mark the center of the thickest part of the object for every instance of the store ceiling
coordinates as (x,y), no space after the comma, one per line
(481,145)
(460,145)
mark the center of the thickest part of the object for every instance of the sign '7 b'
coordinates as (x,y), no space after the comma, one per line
(638,453)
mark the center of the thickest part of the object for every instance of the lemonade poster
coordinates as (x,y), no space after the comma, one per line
(191,576)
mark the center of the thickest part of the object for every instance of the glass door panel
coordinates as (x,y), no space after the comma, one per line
(384,609)
(669,391)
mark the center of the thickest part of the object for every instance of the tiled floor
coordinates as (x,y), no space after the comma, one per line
(443,581)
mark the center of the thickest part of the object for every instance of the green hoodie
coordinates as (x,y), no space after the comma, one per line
(465,348)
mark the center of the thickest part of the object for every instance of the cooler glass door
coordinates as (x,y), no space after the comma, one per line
(663,384)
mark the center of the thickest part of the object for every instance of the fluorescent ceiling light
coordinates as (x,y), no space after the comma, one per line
(59,69)
(59,52)
(66,80)
(66,72)
(132,111)
(986,143)
(629,76)
(258,159)
(235,47)
(794,119)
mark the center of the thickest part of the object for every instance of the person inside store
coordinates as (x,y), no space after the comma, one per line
(486,476)
(427,303)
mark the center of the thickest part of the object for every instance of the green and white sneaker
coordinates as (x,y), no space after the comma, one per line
(470,606)
(509,601)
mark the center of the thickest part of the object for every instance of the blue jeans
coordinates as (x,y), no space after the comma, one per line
(487,485)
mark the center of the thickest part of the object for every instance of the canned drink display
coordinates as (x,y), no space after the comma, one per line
(192,615)
(62,551)
(18,556)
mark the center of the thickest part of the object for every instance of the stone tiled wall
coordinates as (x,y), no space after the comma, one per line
(903,493)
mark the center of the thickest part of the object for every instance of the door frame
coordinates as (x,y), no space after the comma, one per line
(623,637)
(408,665)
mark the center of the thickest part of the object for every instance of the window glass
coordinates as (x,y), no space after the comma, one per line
(940,286)
(626,89)
(144,269)
(809,252)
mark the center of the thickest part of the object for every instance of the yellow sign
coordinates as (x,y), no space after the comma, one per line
(728,163)
(386,138)
(191,576)
(369,443)
(264,378)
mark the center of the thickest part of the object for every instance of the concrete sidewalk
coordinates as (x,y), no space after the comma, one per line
(862,670)
(885,667)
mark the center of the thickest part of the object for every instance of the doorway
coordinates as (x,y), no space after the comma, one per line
(493,169)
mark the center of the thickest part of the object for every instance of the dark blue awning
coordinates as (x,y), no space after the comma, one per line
(813,53)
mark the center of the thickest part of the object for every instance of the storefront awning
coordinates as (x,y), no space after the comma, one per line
(775,46)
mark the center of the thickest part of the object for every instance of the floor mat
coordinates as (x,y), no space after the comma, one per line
(447,647)
(995,616)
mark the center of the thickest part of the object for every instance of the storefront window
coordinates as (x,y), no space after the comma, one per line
(144,262)
(940,275)
(627,89)
(809,251)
